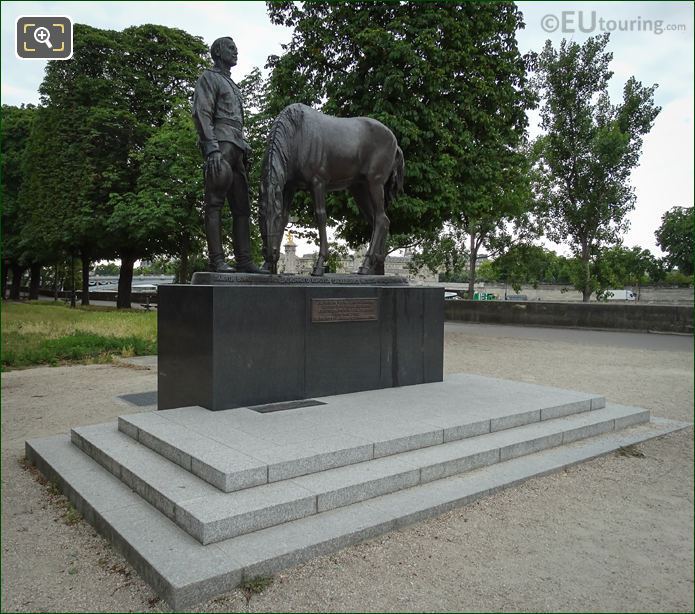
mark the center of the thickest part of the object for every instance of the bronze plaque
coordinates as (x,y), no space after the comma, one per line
(344,309)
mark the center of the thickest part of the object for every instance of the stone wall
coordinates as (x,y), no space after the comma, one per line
(562,293)
(622,316)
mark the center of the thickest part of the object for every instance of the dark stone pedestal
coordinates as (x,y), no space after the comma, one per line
(224,346)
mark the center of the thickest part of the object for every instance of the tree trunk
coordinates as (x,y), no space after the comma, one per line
(183,263)
(471,267)
(72,282)
(5,276)
(55,282)
(15,288)
(85,278)
(586,281)
(34,281)
(125,280)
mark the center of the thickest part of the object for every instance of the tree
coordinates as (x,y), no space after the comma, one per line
(100,109)
(675,237)
(161,266)
(619,266)
(487,272)
(110,268)
(257,122)
(590,146)
(488,224)
(16,128)
(446,254)
(157,73)
(72,151)
(446,78)
(676,278)
(163,215)
(527,264)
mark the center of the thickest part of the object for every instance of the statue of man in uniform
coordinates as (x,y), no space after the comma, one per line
(218,115)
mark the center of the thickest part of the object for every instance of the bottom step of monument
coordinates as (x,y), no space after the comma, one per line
(185,572)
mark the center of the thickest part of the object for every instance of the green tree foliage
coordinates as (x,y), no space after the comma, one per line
(257,121)
(447,254)
(531,264)
(676,278)
(590,146)
(63,275)
(160,266)
(16,128)
(616,267)
(675,236)
(487,272)
(619,266)
(163,215)
(449,81)
(73,149)
(159,70)
(107,268)
(99,111)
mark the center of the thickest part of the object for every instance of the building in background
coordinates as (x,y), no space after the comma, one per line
(292,264)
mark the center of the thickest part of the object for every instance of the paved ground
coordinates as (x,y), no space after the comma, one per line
(615,534)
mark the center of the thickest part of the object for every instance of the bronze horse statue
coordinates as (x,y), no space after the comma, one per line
(308,150)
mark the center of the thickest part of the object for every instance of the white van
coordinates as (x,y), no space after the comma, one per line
(617,295)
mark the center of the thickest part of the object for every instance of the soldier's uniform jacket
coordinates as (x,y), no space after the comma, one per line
(217,111)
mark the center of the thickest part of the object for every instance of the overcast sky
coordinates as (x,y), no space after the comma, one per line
(665,175)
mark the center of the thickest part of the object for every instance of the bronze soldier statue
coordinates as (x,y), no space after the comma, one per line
(218,115)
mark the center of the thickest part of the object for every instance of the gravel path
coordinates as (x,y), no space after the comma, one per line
(614,534)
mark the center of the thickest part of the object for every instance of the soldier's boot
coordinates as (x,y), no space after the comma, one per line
(213,232)
(241,234)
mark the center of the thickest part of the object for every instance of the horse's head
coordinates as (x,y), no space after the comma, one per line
(274,218)
(277,162)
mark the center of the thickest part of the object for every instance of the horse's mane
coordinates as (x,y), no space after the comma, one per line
(278,150)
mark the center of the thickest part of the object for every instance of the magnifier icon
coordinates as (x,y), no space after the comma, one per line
(42,35)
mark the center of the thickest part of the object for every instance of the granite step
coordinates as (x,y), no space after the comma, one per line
(240,448)
(210,515)
(184,572)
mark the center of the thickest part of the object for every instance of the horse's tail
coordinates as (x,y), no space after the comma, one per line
(394,184)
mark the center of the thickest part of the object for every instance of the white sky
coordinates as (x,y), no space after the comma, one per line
(663,179)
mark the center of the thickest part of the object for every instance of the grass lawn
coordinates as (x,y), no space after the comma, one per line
(43,333)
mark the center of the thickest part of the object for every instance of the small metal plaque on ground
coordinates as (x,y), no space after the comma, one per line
(344,309)
(271,407)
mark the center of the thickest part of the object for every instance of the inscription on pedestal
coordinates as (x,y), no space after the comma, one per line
(344,309)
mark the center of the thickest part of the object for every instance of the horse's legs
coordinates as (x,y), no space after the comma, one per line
(374,260)
(318,193)
(360,192)
(383,224)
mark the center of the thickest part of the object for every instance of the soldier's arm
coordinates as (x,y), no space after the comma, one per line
(204,98)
